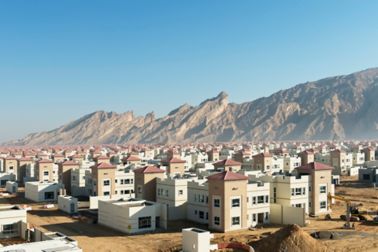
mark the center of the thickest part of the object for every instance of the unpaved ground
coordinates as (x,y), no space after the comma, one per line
(94,237)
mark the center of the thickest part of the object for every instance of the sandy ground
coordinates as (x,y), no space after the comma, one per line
(94,237)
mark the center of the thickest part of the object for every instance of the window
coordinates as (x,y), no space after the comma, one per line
(260,199)
(180,192)
(116,181)
(122,181)
(235,202)
(292,192)
(298,205)
(207,215)
(73,178)
(106,193)
(106,182)
(45,173)
(201,214)
(166,193)
(235,220)
(254,217)
(298,191)
(266,199)
(323,204)
(9,229)
(304,190)
(144,222)
(216,220)
(139,189)
(309,188)
(216,202)
(195,212)
(127,181)
(323,189)
(49,195)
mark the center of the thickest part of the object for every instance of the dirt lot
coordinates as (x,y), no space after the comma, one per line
(93,237)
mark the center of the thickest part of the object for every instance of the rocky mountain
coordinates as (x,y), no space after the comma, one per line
(342,107)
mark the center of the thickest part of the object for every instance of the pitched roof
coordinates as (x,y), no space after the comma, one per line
(264,154)
(132,158)
(105,165)
(227,176)
(149,169)
(45,161)
(176,160)
(226,162)
(315,166)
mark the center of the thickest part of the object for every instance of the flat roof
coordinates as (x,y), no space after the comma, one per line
(43,246)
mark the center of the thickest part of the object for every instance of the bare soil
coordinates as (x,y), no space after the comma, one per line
(94,237)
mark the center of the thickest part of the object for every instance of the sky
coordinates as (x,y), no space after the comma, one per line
(60,60)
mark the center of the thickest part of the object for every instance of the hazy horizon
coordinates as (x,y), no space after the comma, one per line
(62,60)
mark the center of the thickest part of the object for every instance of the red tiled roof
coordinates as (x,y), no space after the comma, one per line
(105,165)
(25,159)
(315,166)
(227,176)
(45,161)
(149,169)
(226,162)
(132,158)
(264,154)
(176,160)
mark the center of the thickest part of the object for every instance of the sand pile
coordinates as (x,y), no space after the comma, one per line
(289,239)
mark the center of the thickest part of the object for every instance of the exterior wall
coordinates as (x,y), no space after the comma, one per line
(99,178)
(290,163)
(258,212)
(262,162)
(176,169)
(78,181)
(368,175)
(277,164)
(198,202)
(307,157)
(35,191)
(174,194)
(124,183)
(324,158)
(11,218)
(358,158)
(11,167)
(196,240)
(65,175)
(318,179)
(286,215)
(11,187)
(145,185)
(68,204)
(47,172)
(226,191)
(124,216)
(24,168)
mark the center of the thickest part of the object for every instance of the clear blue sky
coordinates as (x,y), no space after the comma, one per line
(60,60)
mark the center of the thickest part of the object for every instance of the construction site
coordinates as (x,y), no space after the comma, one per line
(322,233)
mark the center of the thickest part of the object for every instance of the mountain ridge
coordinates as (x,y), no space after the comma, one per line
(338,107)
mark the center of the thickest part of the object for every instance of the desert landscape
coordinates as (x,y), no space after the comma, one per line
(94,237)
